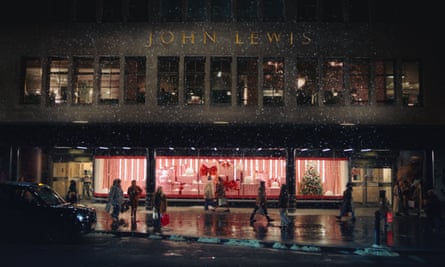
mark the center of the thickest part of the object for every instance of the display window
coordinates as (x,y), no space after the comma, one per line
(185,176)
(127,168)
(316,177)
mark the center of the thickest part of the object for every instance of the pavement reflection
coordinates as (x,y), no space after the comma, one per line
(315,227)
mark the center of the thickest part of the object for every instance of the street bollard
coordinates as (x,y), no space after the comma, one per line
(377,228)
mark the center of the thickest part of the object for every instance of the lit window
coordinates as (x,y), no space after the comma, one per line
(221,81)
(273,81)
(410,83)
(109,80)
(168,80)
(58,81)
(83,89)
(247,81)
(194,80)
(32,89)
(135,79)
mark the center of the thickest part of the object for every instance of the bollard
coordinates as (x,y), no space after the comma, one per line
(377,228)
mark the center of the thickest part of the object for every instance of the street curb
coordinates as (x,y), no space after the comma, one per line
(307,248)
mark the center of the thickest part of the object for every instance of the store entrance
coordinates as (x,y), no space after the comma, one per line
(368,182)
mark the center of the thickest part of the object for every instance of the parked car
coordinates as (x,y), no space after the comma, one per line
(36,210)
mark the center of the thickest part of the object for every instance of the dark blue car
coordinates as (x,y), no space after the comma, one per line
(35,210)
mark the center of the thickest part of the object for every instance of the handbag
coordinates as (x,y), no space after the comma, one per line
(165,219)
(108,207)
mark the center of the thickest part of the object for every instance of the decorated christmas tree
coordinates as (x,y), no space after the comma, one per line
(311,183)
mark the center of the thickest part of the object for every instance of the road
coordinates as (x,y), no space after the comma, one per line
(107,250)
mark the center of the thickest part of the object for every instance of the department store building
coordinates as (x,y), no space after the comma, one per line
(308,93)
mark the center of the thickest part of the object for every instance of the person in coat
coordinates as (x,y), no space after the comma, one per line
(160,208)
(261,202)
(134,193)
(116,198)
(347,203)
(283,204)
(209,194)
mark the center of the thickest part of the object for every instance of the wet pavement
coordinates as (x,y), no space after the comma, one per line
(313,229)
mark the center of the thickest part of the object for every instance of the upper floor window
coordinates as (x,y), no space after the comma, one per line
(410,83)
(138,10)
(110,75)
(86,10)
(333,82)
(83,88)
(273,81)
(246,10)
(32,89)
(384,81)
(358,11)
(359,81)
(171,10)
(196,10)
(332,10)
(221,10)
(112,10)
(168,80)
(273,10)
(247,81)
(306,10)
(220,79)
(57,93)
(307,81)
(194,80)
(135,79)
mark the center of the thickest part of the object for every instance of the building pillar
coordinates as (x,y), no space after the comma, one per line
(290,178)
(151,180)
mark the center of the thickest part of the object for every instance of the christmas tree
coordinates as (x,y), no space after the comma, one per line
(311,183)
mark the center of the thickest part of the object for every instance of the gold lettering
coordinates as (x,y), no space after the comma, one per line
(253,38)
(150,40)
(191,37)
(210,37)
(291,38)
(237,40)
(273,36)
(170,37)
(306,39)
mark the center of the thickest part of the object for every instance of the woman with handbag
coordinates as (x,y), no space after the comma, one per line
(159,208)
(221,195)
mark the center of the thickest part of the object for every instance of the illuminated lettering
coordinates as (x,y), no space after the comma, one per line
(150,40)
(185,37)
(306,39)
(170,37)
(237,40)
(210,37)
(273,36)
(254,38)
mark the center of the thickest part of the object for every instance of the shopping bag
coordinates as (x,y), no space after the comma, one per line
(222,202)
(165,219)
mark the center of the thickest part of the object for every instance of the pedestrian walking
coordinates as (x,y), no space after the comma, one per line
(283,204)
(209,194)
(134,193)
(433,210)
(221,195)
(71,196)
(115,199)
(347,205)
(260,203)
(159,208)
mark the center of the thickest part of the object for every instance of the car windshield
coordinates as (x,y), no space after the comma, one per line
(50,197)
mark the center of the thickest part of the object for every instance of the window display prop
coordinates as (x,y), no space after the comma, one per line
(323,177)
(311,183)
(127,168)
(185,176)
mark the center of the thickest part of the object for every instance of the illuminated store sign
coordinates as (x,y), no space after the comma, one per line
(252,38)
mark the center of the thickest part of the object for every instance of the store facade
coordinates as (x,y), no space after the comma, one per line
(247,96)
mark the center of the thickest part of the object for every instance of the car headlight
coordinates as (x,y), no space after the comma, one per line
(80,217)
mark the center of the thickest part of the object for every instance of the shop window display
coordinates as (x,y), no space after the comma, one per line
(185,176)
